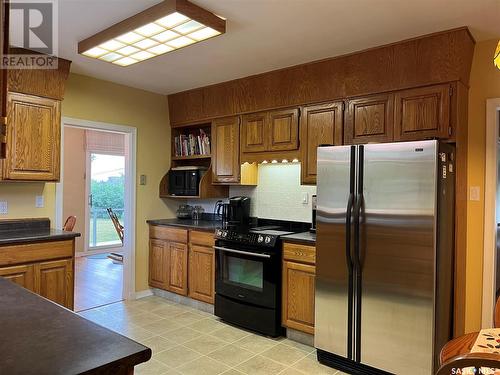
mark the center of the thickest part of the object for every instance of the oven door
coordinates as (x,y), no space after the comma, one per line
(246,275)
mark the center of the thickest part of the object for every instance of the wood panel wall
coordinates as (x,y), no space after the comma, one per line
(436,58)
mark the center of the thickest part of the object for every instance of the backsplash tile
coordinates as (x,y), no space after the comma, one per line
(277,196)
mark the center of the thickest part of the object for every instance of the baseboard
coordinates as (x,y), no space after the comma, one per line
(142,294)
(203,306)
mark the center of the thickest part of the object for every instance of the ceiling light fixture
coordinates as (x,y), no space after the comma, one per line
(165,27)
(496,59)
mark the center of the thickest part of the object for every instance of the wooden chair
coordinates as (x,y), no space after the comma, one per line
(69,224)
(118,227)
(456,353)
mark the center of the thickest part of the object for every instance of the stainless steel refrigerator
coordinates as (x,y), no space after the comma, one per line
(384,266)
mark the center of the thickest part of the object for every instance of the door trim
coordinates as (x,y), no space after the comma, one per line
(490,202)
(129,243)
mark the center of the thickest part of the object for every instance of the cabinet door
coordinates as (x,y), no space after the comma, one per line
(298,296)
(159,264)
(284,130)
(54,281)
(422,113)
(254,132)
(21,275)
(177,282)
(369,119)
(202,273)
(33,137)
(319,124)
(226,150)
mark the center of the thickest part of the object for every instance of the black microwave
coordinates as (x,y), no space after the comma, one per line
(185,181)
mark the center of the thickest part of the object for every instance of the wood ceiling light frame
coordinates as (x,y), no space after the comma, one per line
(152,14)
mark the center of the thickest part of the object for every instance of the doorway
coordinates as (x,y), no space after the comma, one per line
(97,186)
(491,261)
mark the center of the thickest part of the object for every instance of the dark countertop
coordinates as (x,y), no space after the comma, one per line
(40,337)
(31,230)
(205,225)
(303,237)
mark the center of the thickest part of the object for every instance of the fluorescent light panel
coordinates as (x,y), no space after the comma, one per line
(156,38)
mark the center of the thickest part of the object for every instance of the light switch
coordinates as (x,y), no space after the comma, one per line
(305,198)
(4,208)
(142,179)
(475,193)
(39,201)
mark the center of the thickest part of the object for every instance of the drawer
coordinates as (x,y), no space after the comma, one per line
(201,238)
(299,253)
(34,252)
(168,233)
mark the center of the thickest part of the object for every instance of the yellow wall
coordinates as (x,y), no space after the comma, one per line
(95,100)
(484,84)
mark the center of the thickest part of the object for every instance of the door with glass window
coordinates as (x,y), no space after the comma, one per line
(106,190)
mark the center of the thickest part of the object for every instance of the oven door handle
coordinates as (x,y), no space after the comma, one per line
(242,252)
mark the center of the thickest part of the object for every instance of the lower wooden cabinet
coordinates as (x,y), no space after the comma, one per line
(298,288)
(21,275)
(202,273)
(177,281)
(44,271)
(54,281)
(179,268)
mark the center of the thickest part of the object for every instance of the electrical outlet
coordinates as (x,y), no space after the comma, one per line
(475,193)
(305,198)
(4,208)
(39,201)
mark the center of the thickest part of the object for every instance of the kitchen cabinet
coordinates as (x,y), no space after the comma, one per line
(319,124)
(54,281)
(270,131)
(226,150)
(422,113)
(299,272)
(21,275)
(46,268)
(177,281)
(168,259)
(158,263)
(33,138)
(369,119)
(254,132)
(202,266)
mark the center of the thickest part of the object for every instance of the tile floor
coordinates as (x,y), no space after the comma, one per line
(191,342)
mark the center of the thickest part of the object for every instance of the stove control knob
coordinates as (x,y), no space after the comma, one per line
(260,238)
(268,239)
(224,234)
(218,233)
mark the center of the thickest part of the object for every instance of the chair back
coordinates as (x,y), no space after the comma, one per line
(69,224)
(118,227)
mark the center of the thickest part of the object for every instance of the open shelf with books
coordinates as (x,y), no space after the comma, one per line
(192,142)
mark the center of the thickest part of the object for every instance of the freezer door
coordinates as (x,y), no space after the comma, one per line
(397,257)
(333,302)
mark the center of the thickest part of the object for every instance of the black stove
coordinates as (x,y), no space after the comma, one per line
(248,277)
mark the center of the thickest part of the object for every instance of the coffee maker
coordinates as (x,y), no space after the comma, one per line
(235,213)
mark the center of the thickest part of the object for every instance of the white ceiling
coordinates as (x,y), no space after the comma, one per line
(264,35)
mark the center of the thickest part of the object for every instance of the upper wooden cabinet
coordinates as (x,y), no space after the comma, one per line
(270,131)
(369,119)
(33,139)
(422,113)
(284,130)
(254,134)
(226,150)
(319,124)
